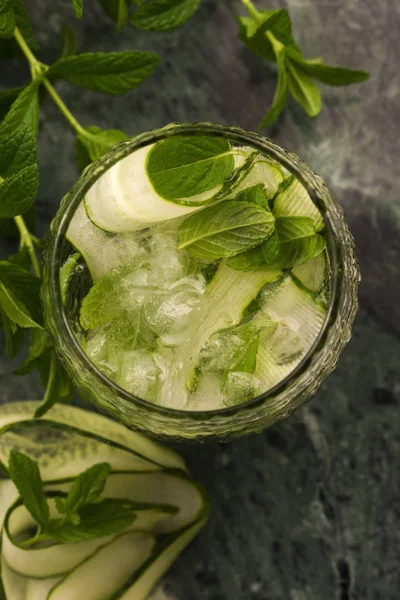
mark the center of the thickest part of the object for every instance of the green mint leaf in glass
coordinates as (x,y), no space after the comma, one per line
(66,273)
(7,97)
(117,10)
(257,194)
(19,291)
(55,379)
(164,15)
(25,109)
(233,349)
(39,343)
(264,257)
(24,472)
(113,73)
(103,302)
(18,192)
(330,75)
(78,7)
(88,149)
(14,335)
(86,489)
(7,19)
(225,229)
(68,42)
(298,240)
(271,250)
(96,520)
(183,167)
(280,96)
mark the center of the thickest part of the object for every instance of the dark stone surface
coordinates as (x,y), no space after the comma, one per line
(310,509)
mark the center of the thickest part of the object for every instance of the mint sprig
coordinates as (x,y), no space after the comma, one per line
(83,513)
(268,34)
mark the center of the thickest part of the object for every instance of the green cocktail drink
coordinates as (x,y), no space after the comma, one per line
(198,278)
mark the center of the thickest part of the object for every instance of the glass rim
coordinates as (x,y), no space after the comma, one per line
(291,161)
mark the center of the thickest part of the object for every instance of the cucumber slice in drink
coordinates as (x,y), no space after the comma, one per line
(295,201)
(313,273)
(123,199)
(298,319)
(39,589)
(144,452)
(262,171)
(101,251)
(15,586)
(127,553)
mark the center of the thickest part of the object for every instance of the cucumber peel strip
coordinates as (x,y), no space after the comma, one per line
(33,573)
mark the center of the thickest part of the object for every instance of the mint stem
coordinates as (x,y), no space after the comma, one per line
(27,239)
(248,4)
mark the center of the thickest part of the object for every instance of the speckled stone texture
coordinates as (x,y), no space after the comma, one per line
(310,509)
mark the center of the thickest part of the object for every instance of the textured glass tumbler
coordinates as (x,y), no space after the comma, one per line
(251,416)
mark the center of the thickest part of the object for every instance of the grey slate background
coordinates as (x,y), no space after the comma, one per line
(310,509)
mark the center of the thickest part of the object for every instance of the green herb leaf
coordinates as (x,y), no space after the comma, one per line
(56,380)
(225,229)
(22,257)
(25,109)
(256,193)
(253,32)
(298,240)
(68,42)
(17,149)
(86,489)
(304,91)
(261,258)
(14,335)
(66,272)
(25,474)
(24,24)
(103,303)
(164,15)
(39,343)
(96,520)
(117,10)
(88,149)
(327,74)
(7,19)
(25,287)
(280,96)
(7,97)
(113,73)
(183,167)
(233,349)
(78,6)
(271,250)
(18,192)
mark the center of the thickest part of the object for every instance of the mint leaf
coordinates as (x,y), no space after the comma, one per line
(24,24)
(225,229)
(96,520)
(280,96)
(164,15)
(14,335)
(39,343)
(18,192)
(182,167)
(17,149)
(68,42)
(7,19)
(103,301)
(271,250)
(88,149)
(86,489)
(261,258)
(117,10)
(56,380)
(304,91)
(14,308)
(19,295)
(253,32)
(330,75)
(25,109)
(233,349)
(257,194)
(78,6)
(7,97)
(25,474)
(113,73)
(298,240)
(66,272)
(22,257)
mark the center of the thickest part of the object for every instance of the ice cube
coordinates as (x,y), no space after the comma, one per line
(138,373)
(240,387)
(227,349)
(167,262)
(208,395)
(284,344)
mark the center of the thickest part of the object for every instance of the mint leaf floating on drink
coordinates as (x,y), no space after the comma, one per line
(212,227)
(68,517)
(268,34)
